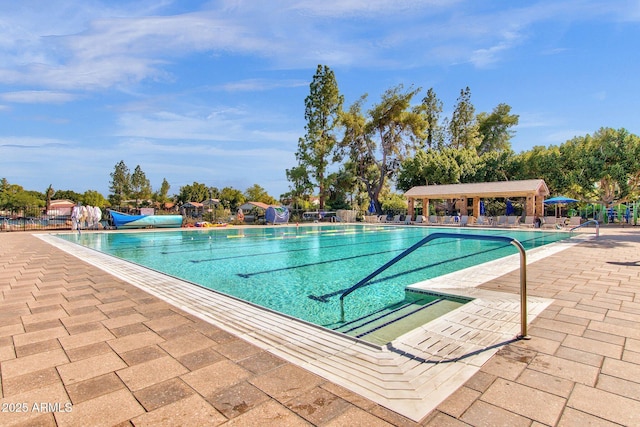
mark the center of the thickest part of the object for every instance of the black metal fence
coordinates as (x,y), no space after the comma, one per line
(32,218)
(22,221)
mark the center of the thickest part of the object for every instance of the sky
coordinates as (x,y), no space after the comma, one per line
(213,91)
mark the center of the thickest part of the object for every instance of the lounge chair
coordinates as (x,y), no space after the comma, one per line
(464,220)
(419,219)
(502,221)
(433,220)
(407,219)
(529,221)
(513,221)
(482,221)
(392,218)
(549,222)
(574,221)
(448,220)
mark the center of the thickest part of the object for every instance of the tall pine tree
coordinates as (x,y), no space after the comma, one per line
(322,110)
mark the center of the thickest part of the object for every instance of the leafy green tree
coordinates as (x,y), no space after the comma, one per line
(322,109)
(162,196)
(49,195)
(342,186)
(120,185)
(94,198)
(541,163)
(299,184)
(67,195)
(7,193)
(463,126)
(394,203)
(573,182)
(140,186)
(634,167)
(411,172)
(496,129)
(495,166)
(256,193)
(445,166)
(430,110)
(26,199)
(196,192)
(15,197)
(610,162)
(232,198)
(378,145)
(214,192)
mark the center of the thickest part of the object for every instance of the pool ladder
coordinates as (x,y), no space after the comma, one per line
(427,239)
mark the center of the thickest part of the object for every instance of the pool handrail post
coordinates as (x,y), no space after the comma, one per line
(523,290)
(427,239)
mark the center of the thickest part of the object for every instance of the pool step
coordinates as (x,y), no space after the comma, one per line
(383,326)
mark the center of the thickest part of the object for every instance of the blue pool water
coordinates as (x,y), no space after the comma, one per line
(301,271)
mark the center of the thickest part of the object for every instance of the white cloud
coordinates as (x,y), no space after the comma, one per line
(482,58)
(529,119)
(222,125)
(260,85)
(38,97)
(31,142)
(94,46)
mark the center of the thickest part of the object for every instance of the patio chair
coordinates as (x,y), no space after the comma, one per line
(502,221)
(552,222)
(574,221)
(528,221)
(482,221)
(513,221)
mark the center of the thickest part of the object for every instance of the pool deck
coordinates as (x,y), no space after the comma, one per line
(81,346)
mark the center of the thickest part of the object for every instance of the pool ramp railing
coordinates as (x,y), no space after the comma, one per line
(591,221)
(434,236)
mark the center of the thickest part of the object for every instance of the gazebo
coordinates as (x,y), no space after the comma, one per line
(533,190)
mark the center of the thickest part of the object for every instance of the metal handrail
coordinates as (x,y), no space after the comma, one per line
(427,239)
(589,222)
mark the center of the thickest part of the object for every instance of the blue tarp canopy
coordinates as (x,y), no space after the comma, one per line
(276,215)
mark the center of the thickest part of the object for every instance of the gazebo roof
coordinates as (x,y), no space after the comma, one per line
(250,205)
(503,189)
(61,203)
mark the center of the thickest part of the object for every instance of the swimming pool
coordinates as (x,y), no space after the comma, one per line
(301,271)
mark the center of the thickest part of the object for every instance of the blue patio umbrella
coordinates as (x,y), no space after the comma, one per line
(559,200)
(372,207)
(482,208)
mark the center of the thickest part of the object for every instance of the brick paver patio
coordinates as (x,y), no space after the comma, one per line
(81,347)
